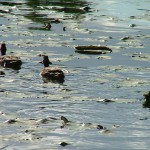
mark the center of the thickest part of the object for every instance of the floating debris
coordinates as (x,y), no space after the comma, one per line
(116,126)
(141,56)
(132,17)
(4,147)
(56,21)
(71,9)
(105,100)
(103,57)
(132,25)
(93,49)
(100,127)
(11,121)
(64,144)
(145,118)
(126,38)
(43,121)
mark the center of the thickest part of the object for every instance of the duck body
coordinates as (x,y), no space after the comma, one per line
(54,74)
(10,61)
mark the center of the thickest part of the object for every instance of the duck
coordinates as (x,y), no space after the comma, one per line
(147,100)
(53,74)
(9,61)
(3,49)
(47,26)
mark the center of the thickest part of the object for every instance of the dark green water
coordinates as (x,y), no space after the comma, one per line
(122,76)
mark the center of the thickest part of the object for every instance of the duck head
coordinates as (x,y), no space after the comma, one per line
(46,61)
(3,49)
(64,28)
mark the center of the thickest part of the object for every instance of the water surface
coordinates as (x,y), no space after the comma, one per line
(122,76)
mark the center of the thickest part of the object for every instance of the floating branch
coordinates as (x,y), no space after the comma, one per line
(93,49)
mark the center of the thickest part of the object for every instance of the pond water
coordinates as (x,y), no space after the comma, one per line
(104,90)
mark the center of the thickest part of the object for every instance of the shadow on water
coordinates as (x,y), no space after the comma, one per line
(74,7)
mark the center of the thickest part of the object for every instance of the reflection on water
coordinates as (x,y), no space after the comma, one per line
(76,8)
(62,3)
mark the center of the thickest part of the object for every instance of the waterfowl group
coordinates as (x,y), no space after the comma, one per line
(9,61)
(54,74)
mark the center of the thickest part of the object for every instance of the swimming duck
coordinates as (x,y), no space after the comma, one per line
(3,49)
(51,73)
(146,104)
(9,61)
(47,26)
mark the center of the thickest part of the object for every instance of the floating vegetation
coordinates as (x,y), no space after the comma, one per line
(103,57)
(141,56)
(72,10)
(132,82)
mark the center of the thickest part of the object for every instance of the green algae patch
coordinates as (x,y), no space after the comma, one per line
(133,82)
